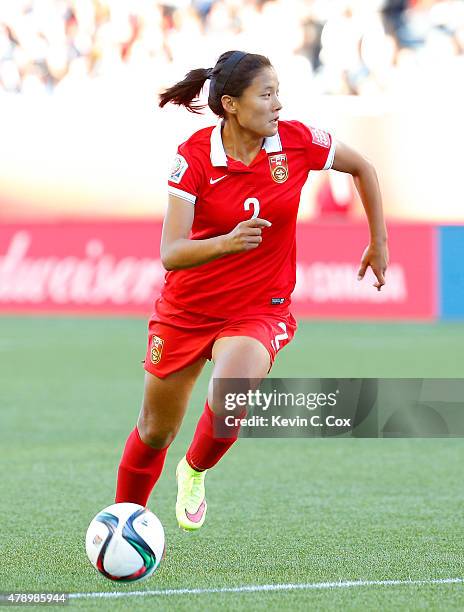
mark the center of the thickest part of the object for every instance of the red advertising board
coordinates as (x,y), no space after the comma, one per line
(328,259)
(114,268)
(80,267)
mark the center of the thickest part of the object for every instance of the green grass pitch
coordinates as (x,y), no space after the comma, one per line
(280,511)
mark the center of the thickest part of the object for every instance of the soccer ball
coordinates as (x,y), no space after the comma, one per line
(125,542)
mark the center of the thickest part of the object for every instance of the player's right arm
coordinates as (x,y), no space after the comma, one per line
(178,251)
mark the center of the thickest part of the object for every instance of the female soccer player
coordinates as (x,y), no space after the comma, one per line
(228,244)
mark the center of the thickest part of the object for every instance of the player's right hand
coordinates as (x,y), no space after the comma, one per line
(245,236)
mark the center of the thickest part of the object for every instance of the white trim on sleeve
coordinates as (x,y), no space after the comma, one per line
(331,155)
(180,193)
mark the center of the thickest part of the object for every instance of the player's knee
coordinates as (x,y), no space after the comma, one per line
(156,437)
(215,405)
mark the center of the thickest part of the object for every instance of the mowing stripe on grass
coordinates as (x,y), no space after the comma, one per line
(256,588)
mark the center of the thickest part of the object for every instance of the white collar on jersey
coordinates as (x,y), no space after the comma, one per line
(271,144)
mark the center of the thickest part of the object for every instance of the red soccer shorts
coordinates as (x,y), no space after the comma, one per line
(177,338)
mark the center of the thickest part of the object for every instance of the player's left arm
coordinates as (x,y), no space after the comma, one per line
(365,178)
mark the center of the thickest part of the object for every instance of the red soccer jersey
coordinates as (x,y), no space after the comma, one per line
(225,192)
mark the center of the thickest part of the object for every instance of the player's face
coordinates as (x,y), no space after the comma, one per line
(258,107)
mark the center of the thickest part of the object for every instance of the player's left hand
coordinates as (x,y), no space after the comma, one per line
(375,256)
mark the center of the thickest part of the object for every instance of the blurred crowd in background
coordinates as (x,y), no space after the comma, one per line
(357,47)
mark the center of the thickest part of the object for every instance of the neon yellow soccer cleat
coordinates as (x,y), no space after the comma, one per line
(191,503)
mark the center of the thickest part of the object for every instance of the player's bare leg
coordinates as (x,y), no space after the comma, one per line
(234,357)
(238,357)
(164,404)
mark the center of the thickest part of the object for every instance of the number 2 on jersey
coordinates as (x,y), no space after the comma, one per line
(252,201)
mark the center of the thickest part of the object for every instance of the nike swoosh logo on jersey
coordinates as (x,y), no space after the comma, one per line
(212,181)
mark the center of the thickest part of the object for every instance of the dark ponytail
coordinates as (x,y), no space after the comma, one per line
(184,92)
(232,74)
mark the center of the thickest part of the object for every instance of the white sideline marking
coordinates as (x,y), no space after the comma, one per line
(255,588)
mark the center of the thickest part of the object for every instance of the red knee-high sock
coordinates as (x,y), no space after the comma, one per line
(205,449)
(140,467)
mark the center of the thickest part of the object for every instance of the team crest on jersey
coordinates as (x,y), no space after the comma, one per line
(320,137)
(156,349)
(178,169)
(279,167)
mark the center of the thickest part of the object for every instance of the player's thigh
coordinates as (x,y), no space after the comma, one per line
(165,401)
(240,357)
